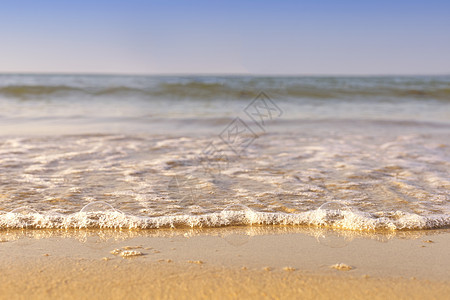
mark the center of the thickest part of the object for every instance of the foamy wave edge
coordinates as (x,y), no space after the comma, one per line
(348,220)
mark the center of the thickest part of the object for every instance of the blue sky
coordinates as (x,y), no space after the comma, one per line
(237,37)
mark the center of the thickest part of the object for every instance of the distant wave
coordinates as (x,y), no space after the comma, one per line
(240,88)
(20,91)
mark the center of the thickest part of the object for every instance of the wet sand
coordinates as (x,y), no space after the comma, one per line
(242,262)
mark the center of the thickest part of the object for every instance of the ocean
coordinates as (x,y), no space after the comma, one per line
(368,154)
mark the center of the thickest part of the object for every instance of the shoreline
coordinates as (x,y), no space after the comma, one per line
(232,262)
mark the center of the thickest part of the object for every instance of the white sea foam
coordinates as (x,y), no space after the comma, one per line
(91,217)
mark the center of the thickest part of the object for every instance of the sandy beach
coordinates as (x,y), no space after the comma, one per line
(225,150)
(230,263)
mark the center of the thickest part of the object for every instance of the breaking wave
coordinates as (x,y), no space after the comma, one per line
(91,217)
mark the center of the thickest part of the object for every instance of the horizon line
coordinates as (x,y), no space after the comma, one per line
(227,74)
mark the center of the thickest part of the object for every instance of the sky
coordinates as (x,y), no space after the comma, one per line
(326,37)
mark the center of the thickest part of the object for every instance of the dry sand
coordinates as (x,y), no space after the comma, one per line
(224,263)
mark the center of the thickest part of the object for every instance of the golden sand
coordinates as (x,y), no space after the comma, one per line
(202,264)
(134,279)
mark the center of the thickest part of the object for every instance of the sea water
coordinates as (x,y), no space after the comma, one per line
(103,151)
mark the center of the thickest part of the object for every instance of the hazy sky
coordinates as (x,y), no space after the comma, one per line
(260,37)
